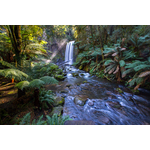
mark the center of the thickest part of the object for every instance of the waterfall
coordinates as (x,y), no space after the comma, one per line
(69,53)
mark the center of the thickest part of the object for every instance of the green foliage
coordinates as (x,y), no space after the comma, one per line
(46,96)
(6,64)
(25,120)
(23,84)
(122,63)
(14,73)
(54,120)
(36,83)
(49,80)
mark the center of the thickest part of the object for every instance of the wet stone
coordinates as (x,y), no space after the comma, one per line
(80,100)
(90,103)
(64,91)
(103,119)
(57,110)
(68,85)
(79,122)
(59,101)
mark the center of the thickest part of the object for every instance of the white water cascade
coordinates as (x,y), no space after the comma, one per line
(69,53)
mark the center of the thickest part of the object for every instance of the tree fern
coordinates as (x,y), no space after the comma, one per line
(6,64)
(49,80)
(36,83)
(23,84)
(14,73)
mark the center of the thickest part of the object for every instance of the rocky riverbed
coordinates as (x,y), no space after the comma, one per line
(91,100)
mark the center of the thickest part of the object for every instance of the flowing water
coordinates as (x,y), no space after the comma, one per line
(69,53)
(98,100)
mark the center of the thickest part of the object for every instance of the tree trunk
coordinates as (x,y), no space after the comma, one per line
(15,36)
(21,93)
(92,35)
(101,43)
(36,97)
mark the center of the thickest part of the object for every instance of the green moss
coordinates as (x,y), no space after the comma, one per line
(78,84)
(74,74)
(3,83)
(57,110)
(59,101)
(12,92)
(84,81)
(59,71)
(68,85)
(59,77)
(54,67)
(80,67)
(119,90)
(117,106)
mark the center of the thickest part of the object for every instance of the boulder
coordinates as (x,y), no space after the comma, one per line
(75,74)
(64,91)
(80,100)
(68,85)
(59,77)
(57,110)
(59,101)
(103,119)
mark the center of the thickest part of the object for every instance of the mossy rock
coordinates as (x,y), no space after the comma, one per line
(80,67)
(59,77)
(117,106)
(78,84)
(59,71)
(59,101)
(64,91)
(3,83)
(68,85)
(54,67)
(80,100)
(57,110)
(75,74)
(82,74)
(84,81)
(119,90)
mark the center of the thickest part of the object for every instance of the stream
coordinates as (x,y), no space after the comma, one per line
(94,99)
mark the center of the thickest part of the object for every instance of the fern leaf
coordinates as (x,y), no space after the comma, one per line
(23,84)
(137,68)
(26,119)
(36,83)
(117,69)
(143,74)
(14,73)
(126,72)
(112,70)
(108,62)
(114,54)
(4,63)
(49,80)
(122,63)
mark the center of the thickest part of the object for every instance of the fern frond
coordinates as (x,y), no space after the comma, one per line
(23,84)
(36,83)
(6,64)
(49,80)
(143,74)
(55,120)
(25,120)
(14,73)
